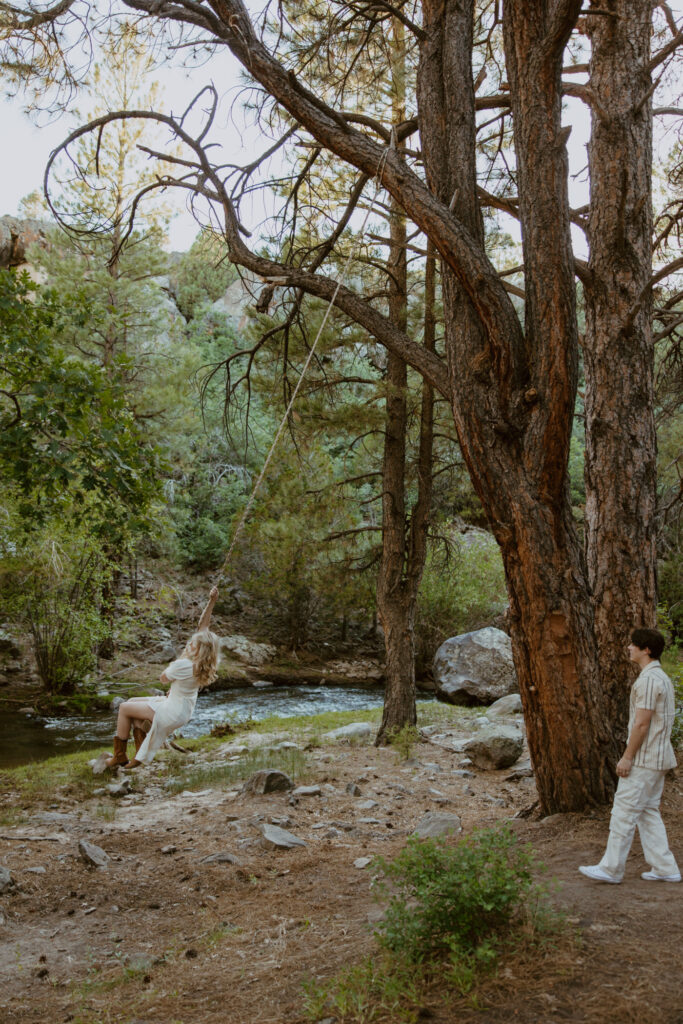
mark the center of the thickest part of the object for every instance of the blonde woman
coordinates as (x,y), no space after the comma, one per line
(154,719)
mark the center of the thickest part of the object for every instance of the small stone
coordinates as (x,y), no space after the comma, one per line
(37,870)
(436,823)
(93,855)
(99,764)
(353,789)
(367,805)
(354,730)
(368,821)
(307,791)
(169,849)
(463,773)
(224,857)
(496,746)
(332,833)
(278,838)
(362,862)
(90,910)
(119,788)
(268,780)
(6,880)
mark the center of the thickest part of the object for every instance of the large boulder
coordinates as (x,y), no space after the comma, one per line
(475,668)
(495,746)
(248,651)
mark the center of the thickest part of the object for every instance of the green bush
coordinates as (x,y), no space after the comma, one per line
(453,899)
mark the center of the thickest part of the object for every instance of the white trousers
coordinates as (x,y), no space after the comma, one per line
(636,803)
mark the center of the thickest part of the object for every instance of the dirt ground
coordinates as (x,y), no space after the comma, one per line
(157,937)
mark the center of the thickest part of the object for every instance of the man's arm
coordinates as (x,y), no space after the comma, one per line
(639,731)
(206,614)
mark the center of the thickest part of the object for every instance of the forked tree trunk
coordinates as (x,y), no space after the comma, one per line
(620,430)
(514,422)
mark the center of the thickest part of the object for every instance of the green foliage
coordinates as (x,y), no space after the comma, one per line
(53,584)
(64,426)
(403,740)
(458,593)
(201,275)
(452,911)
(453,899)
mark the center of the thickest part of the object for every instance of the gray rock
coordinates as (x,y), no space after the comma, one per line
(275,838)
(6,880)
(93,855)
(116,703)
(435,823)
(268,780)
(37,870)
(504,707)
(496,746)
(475,668)
(224,857)
(307,791)
(522,771)
(463,773)
(262,684)
(367,805)
(16,237)
(169,850)
(99,766)
(168,653)
(362,862)
(353,789)
(354,730)
(247,651)
(121,788)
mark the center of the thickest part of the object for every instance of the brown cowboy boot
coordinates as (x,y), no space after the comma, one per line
(120,755)
(139,733)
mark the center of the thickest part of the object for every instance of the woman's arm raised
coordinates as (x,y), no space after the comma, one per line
(206,614)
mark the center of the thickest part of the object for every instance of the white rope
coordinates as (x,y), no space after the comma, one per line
(311,353)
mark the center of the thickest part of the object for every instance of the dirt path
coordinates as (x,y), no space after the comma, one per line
(158,937)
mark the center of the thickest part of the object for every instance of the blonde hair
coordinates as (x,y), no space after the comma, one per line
(205,657)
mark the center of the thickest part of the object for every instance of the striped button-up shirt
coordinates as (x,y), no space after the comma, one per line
(654,692)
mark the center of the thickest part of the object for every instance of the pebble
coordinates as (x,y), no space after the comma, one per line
(367,805)
(362,862)
(37,870)
(169,849)
(6,880)
(307,791)
(353,789)
(224,857)
(93,855)
(278,838)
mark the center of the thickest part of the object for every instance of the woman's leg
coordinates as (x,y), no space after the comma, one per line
(128,711)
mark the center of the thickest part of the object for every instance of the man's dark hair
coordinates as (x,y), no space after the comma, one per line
(649,638)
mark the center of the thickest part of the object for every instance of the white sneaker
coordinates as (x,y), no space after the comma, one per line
(597,873)
(652,876)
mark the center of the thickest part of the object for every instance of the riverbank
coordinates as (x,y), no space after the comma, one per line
(196,918)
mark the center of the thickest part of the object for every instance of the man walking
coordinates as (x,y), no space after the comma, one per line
(647,758)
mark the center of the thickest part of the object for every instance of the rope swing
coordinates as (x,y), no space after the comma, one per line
(278,434)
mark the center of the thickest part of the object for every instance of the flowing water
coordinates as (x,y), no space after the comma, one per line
(25,738)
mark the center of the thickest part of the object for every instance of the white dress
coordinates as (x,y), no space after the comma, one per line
(172,711)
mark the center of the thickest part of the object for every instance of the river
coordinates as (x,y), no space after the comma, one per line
(25,738)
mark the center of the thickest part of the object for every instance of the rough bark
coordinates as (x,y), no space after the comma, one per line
(403,537)
(517,452)
(618,354)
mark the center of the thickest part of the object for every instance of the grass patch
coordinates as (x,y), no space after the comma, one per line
(66,775)
(220,775)
(452,913)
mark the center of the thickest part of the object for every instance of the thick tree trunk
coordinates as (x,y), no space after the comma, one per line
(514,426)
(618,354)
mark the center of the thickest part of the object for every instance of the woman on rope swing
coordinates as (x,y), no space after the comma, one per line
(154,719)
